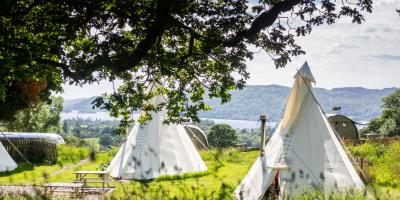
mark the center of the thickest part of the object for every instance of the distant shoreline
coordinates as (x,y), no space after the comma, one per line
(239,124)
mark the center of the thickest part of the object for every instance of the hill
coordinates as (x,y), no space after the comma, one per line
(84,105)
(359,103)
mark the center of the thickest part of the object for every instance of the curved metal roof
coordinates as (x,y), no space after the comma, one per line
(199,133)
(345,126)
(55,138)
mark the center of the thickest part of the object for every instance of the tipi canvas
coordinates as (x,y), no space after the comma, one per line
(156,149)
(6,162)
(303,153)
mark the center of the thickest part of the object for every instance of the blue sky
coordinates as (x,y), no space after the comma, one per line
(340,55)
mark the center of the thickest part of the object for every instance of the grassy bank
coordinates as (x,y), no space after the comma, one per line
(26,174)
(225,170)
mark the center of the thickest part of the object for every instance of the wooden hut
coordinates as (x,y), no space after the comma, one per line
(344,126)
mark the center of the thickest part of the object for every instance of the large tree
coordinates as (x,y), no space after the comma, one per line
(189,46)
(389,122)
(222,136)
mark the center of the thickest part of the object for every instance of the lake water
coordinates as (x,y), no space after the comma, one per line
(239,124)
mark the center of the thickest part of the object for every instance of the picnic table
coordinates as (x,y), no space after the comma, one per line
(87,177)
(75,188)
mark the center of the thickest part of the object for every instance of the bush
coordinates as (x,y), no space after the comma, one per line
(71,154)
(384,165)
(386,168)
(71,140)
(366,150)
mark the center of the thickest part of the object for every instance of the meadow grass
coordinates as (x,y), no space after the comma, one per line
(226,168)
(26,174)
(383,162)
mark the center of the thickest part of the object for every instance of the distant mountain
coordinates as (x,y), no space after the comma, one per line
(247,104)
(84,105)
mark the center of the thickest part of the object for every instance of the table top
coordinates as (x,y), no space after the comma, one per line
(91,172)
(63,185)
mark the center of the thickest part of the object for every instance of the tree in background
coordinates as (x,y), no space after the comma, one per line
(190,46)
(88,132)
(205,124)
(43,117)
(65,127)
(222,136)
(106,141)
(249,137)
(389,122)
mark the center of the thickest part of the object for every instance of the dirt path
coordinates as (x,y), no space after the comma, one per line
(66,167)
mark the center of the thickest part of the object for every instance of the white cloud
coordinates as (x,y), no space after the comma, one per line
(344,54)
(89,90)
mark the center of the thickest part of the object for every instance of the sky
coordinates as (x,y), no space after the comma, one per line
(340,55)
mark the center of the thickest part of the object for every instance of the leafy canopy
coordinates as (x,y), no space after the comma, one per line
(189,46)
(44,118)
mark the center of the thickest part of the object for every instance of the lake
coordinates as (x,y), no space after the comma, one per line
(237,124)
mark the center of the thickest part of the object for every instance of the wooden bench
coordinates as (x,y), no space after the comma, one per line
(100,177)
(75,188)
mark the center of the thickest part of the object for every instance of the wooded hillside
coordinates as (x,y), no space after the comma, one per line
(247,104)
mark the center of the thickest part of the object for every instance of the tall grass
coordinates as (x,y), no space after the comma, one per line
(226,168)
(383,162)
(71,154)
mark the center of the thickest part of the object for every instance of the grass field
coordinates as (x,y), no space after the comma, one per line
(226,167)
(225,170)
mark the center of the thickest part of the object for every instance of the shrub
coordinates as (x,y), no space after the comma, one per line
(70,154)
(384,165)
(71,140)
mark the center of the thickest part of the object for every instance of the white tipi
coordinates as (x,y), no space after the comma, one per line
(6,162)
(155,149)
(303,153)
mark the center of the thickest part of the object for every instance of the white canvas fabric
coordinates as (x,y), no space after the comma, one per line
(155,149)
(6,162)
(304,149)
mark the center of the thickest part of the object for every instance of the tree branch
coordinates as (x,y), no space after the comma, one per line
(179,24)
(63,67)
(266,19)
(152,33)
